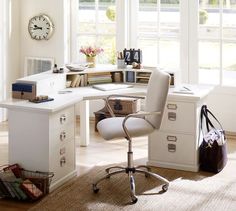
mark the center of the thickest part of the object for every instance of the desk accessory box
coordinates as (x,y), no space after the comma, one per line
(23,91)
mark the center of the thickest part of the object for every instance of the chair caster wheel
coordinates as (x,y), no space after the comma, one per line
(95,189)
(165,187)
(134,200)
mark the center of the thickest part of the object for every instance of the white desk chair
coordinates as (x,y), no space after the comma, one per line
(137,124)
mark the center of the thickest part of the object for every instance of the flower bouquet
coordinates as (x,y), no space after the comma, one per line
(91,53)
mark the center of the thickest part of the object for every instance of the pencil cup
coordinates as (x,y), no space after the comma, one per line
(121,64)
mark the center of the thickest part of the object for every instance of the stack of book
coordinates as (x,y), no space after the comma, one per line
(76,80)
(99,78)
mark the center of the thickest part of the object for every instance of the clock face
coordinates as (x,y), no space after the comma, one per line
(40,27)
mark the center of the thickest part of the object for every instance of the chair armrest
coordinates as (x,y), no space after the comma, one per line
(137,115)
(117,95)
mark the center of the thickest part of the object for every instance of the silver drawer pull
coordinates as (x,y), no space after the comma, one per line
(62,118)
(171,138)
(62,161)
(62,151)
(172,116)
(63,136)
(171,106)
(171,147)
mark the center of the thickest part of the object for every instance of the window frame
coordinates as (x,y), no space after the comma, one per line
(126,35)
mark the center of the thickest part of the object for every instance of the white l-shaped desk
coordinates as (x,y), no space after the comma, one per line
(42,136)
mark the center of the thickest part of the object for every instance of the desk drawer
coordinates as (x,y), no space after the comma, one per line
(62,135)
(172,148)
(179,117)
(63,117)
(62,160)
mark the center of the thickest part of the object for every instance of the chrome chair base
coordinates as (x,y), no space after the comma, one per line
(131,172)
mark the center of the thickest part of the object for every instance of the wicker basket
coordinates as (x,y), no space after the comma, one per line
(23,184)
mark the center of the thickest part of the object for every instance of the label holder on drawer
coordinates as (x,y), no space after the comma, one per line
(172,106)
(171,138)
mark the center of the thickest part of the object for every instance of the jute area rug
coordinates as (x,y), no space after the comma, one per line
(187,191)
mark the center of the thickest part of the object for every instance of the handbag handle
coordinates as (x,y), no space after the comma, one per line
(204,114)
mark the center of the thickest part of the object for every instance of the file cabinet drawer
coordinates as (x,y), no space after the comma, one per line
(62,135)
(63,117)
(62,160)
(179,117)
(172,148)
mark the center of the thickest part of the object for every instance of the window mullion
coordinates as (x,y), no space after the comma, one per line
(96,18)
(221,42)
(192,41)
(158,30)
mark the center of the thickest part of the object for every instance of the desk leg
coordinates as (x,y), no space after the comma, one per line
(84,123)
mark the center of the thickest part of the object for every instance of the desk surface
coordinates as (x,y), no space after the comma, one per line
(88,93)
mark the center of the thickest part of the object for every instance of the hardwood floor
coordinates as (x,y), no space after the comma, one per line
(99,152)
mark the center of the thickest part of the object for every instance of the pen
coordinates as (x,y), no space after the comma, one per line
(186,88)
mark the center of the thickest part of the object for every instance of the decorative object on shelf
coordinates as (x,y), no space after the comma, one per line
(40,27)
(121,64)
(132,55)
(91,53)
(77,67)
(91,61)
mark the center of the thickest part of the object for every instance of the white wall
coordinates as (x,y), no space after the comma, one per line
(55,46)
(222,102)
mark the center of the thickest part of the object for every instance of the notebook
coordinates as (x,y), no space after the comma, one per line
(111,86)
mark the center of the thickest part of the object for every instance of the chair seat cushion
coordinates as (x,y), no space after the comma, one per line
(112,127)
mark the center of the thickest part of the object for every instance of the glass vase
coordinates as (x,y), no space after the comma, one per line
(91,60)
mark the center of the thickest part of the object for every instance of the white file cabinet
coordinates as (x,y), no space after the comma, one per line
(175,145)
(47,145)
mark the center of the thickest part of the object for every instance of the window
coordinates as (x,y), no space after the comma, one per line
(217,42)
(96,27)
(159,32)
(196,37)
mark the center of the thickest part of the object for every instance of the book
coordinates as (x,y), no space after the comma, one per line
(31,189)
(78,81)
(7,178)
(4,190)
(17,186)
(15,168)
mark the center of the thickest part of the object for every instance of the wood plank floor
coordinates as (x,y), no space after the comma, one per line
(99,152)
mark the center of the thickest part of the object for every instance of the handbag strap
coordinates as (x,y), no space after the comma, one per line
(204,114)
(207,111)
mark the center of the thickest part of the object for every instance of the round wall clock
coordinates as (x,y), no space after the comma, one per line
(40,27)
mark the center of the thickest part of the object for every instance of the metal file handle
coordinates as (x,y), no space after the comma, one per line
(62,118)
(62,161)
(172,116)
(63,136)
(171,148)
